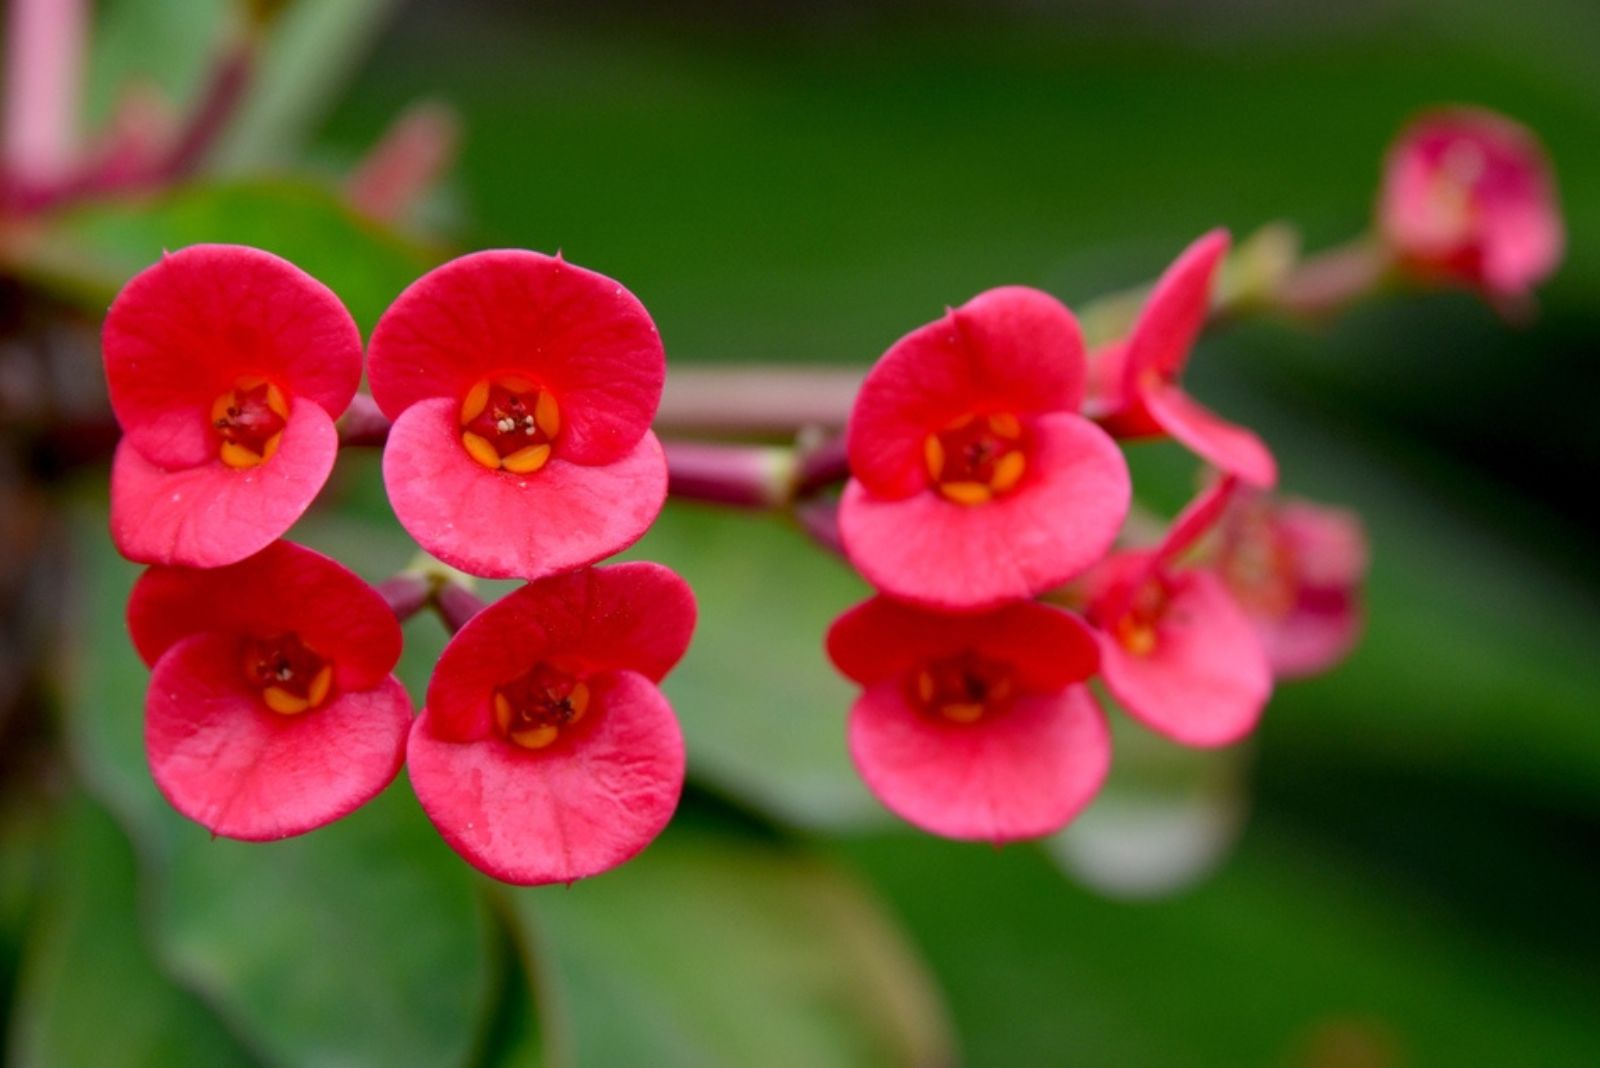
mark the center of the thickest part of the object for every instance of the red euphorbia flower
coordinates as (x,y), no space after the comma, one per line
(522,390)
(974,726)
(1297,569)
(546,752)
(1135,391)
(227,367)
(1468,195)
(976,481)
(271,708)
(1176,650)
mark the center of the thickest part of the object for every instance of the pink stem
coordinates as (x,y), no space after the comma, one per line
(406,594)
(819,517)
(45,43)
(1332,280)
(456,604)
(1196,519)
(745,476)
(363,423)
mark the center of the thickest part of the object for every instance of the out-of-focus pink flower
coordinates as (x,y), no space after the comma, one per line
(1468,196)
(271,708)
(522,389)
(976,481)
(1176,650)
(546,752)
(226,367)
(1297,569)
(1134,383)
(974,726)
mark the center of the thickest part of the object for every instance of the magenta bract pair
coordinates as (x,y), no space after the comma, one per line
(522,389)
(979,484)
(227,367)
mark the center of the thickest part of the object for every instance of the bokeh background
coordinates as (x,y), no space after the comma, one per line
(1401,868)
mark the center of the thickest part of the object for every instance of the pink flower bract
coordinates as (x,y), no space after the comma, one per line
(974,726)
(976,481)
(546,752)
(226,367)
(1468,195)
(1176,650)
(522,389)
(271,709)
(1296,568)
(1137,390)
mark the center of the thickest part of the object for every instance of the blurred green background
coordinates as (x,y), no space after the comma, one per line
(1401,869)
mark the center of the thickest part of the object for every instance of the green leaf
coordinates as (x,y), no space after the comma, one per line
(162,44)
(360,943)
(90,993)
(706,952)
(314,49)
(89,252)
(1295,943)
(763,711)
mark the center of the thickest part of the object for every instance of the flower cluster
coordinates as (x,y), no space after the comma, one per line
(521,389)
(987,497)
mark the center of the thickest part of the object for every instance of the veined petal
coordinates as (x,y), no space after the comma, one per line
(210,515)
(502,525)
(1059,521)
(242,771)
(1022,774)
(185,330)
(571,331)
(1013,350)
(1205,680)
(578,808)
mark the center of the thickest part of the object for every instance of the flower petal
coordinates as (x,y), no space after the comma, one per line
(883,639)
(210,515)
(1021,774)
(1311,636)
(1172,317)
(1013,349)
(1206,680)
(1227,446)
(636,617)
(500,525)
(575,809)
(185,330)
(577,333)
(282,589)
(231,765)
(1058,522)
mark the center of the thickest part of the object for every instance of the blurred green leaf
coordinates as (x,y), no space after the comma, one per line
(142,44)
(91,994)
(1294,941)
(718,953)
(362,943)
(314,49)
(89,252)
(763,711)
